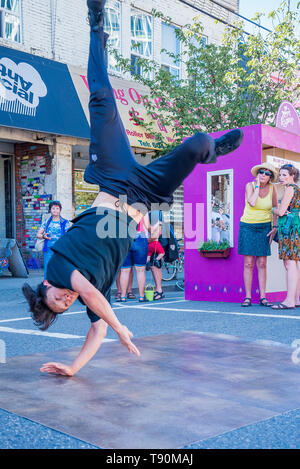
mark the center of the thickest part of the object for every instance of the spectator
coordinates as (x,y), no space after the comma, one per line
(51,230)
(256,232)
(155,254)
(156,221)
(137,257)
(288,234)
(130,294)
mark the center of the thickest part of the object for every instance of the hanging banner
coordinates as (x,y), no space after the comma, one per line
(130,102)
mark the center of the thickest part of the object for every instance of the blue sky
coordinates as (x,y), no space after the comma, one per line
(249,7)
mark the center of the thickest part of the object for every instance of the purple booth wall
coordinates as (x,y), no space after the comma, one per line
(219,279)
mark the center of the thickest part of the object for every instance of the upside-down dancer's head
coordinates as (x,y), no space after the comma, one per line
(47,301)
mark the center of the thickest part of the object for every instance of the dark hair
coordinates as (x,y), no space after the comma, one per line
(41,314)
(54,203)
(291,170)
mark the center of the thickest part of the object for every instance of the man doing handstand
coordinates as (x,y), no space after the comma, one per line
(85,263)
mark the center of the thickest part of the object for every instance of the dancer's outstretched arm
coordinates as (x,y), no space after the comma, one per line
(94,300)
(91,345)
(97,303)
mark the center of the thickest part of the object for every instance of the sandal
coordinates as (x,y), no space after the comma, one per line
(282,306)
(265,302)
(131,296)
(122,299)
(246,302)
(158,295)
(118,295)
(143,299)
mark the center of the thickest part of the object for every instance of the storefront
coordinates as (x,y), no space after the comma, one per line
(217,193)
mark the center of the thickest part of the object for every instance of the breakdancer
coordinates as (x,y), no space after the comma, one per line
(85,262)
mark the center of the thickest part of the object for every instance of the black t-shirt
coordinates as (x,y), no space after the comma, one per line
(97,258)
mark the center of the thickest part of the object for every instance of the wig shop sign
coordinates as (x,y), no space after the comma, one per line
(130,99)
(38,94)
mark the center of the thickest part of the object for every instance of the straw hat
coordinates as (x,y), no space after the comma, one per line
(266,165)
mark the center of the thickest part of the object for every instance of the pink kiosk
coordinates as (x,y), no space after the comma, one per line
(214,200)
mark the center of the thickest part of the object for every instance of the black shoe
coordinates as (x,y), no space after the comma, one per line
(96,13)
(229,142)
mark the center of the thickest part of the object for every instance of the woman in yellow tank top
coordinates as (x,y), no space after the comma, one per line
(256,232)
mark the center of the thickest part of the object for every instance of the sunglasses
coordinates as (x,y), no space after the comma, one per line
(265,171)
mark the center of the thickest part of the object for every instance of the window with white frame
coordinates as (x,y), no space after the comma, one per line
(141,39)
(112,26)
(170,43)
(10,20)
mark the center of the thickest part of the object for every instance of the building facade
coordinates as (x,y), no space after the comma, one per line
(44,121)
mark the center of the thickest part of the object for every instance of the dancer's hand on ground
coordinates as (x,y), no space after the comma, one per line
(57,368)
(125,335)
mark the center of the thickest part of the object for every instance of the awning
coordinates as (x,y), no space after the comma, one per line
(38,94)
(129,99)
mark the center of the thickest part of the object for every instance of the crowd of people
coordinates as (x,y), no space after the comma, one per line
(146,253)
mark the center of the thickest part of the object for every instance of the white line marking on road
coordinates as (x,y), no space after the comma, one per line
(55,335)
(126,304)
(29,317)
(260,315)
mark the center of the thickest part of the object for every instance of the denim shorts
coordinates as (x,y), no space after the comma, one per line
(137,254)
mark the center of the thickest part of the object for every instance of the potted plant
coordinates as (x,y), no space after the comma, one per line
(214,249)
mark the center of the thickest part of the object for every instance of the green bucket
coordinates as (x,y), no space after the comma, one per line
(149,292)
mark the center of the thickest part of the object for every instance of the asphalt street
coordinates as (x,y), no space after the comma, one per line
(173,314)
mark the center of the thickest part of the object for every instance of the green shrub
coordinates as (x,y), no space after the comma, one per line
(213,246)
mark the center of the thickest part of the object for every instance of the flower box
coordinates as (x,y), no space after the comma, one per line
(216,253)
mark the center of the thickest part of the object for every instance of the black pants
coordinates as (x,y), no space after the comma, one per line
(112,164)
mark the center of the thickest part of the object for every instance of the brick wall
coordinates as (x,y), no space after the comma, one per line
(62,32)
(33,164)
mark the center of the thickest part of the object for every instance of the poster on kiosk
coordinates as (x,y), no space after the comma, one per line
(214,201)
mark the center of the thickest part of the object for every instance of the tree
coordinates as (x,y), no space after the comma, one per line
(240,82)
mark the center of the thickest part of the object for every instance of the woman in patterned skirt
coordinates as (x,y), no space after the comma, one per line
(288,234)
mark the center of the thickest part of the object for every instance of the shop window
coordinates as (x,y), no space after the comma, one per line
(141,40)
(10,20)
(112,26)
(171,44)
(85,193)
(220,206)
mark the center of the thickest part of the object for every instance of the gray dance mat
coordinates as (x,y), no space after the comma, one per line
(184,388)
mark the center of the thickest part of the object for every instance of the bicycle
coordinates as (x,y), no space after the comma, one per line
(170,269)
